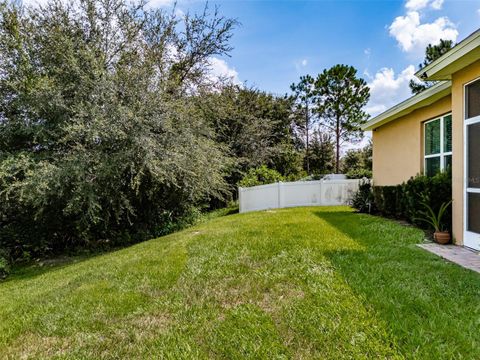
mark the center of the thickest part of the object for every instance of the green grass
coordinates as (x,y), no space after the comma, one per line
(298,283)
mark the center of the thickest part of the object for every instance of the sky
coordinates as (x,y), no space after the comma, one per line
(278,41)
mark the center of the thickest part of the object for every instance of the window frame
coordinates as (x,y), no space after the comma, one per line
(470,239)
(442,154)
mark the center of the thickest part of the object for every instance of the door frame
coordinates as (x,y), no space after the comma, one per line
(470,239)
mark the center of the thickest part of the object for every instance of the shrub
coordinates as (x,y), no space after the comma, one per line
(359,174)
(389,200)
(362,199)
(4,264)
(296,177)
(436,190)
(378,198)
(260,176)
(405,201)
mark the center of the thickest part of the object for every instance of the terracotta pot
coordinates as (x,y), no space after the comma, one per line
(442,237)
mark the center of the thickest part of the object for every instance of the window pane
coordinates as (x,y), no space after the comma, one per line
(474,212)
(474,155)
(473,99)
(432,166)
(447,133)
(447,162)
(432,137)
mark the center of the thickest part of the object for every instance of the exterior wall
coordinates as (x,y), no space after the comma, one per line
(459,79)
(398,145)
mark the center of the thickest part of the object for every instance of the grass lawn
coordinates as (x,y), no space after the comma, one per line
(297,283)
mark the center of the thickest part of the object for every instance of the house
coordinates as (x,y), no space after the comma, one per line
(436,129)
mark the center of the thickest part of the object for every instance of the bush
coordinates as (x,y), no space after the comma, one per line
(436,190)
(260,176)
(4,264)
(362,199)
(390,200)
(359,174)
(94,150)
(405,201)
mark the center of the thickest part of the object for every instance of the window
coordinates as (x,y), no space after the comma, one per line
(473,105)
(438,145)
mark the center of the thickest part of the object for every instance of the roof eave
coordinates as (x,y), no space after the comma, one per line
(413,103)
(453,60)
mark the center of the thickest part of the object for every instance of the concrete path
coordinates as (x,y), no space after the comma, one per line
(459,255)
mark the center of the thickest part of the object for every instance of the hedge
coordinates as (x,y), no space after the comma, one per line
(405,201)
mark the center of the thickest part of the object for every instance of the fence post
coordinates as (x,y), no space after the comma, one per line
(240,190)
(320,198)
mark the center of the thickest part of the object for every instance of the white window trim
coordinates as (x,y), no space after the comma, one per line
(470,239)
(442,154)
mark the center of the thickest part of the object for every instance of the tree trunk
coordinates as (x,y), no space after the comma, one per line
(337,143)
(307,121)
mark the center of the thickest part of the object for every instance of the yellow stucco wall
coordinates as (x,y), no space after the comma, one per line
(398,145)
(459,80)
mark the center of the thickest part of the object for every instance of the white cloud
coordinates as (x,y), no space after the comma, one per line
(388,89)
(436,4)
(219,69)
(413,36)
(414,5)
(304,62)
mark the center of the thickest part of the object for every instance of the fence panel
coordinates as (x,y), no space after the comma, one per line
(299,193)
(259,197)
(338,192)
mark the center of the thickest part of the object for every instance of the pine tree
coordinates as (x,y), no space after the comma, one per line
(432,53)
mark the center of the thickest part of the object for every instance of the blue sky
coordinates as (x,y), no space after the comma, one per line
(278,41)
(385,40)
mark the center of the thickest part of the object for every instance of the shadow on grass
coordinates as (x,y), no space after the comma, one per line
(430,306)
(33,269)
(27,271)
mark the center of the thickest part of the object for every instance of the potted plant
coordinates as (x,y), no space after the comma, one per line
(441,235)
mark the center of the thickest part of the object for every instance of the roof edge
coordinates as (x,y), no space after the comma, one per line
(415,102)
(457,52)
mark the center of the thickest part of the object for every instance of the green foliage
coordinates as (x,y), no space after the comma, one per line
(254,127)
(4,264)
(304,117)
(432,53)
(407,201)
(340,102)
(435,219)
(100,141)
(359,174)
(357,163)
(437,189)
(362,199)
(261,176)
(287,161)
(331,104)
(322,153)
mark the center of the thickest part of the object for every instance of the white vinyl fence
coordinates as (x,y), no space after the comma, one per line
(299,193)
